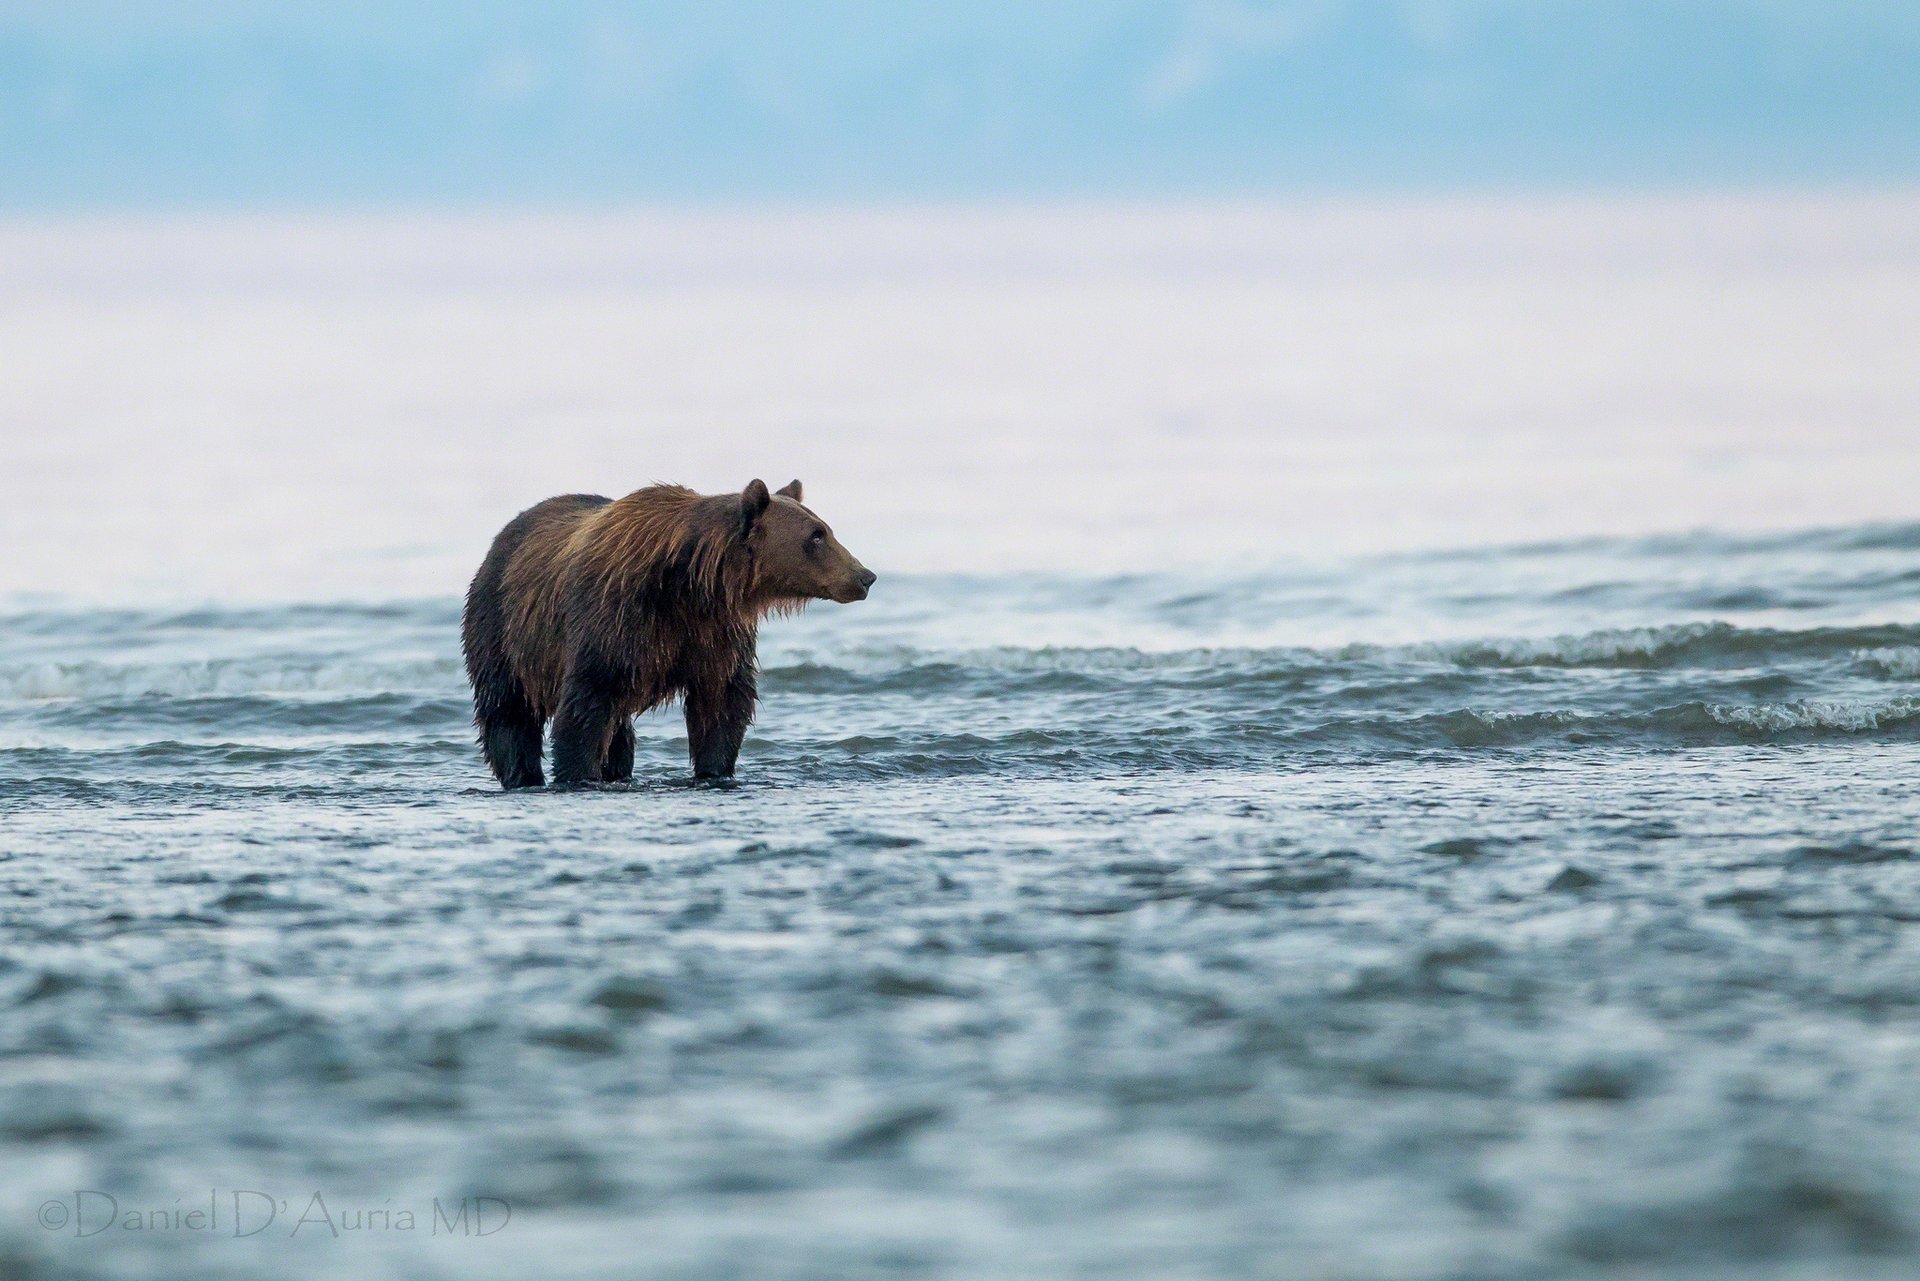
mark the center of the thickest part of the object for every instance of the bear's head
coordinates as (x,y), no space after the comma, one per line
(796,557)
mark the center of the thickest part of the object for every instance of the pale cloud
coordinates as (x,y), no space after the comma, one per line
(1219,35)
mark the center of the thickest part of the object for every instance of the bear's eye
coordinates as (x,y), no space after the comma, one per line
(817,540)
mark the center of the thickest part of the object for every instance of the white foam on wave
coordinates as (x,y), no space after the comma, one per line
(1845,716)
(1676,645)
(1901,661)
(1611,647)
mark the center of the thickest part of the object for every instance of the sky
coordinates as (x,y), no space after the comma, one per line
(260,103)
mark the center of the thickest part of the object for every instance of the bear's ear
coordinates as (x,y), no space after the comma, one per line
(790,490)
(753,503)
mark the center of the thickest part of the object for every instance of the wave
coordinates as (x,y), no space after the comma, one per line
(189,678)
(434,612)
(23,765)
(1818,718)
(1213,743)
(1872,536)
(274,714)
(1877,652)
(1255,745)
(1674,646)
(1099,748)
(1901,662)
(1890,649)
(1678,725)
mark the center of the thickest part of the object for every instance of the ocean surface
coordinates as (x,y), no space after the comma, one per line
(1548,910)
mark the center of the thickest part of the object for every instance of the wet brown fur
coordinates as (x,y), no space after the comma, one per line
(588,611)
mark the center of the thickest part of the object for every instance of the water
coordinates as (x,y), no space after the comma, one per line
(1547,910)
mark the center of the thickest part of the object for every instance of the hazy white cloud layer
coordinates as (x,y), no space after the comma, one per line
(345,406)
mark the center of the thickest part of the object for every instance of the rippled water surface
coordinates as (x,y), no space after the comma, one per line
(1545,911)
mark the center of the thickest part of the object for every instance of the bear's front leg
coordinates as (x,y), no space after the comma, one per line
(585,724)
(717,720)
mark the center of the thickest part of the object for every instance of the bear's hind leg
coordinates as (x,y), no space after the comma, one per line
(583,728)
(619,766)
(510,740)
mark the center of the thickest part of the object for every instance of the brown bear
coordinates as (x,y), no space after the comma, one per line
(589,611)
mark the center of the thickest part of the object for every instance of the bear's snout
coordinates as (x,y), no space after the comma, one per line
(862,581)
